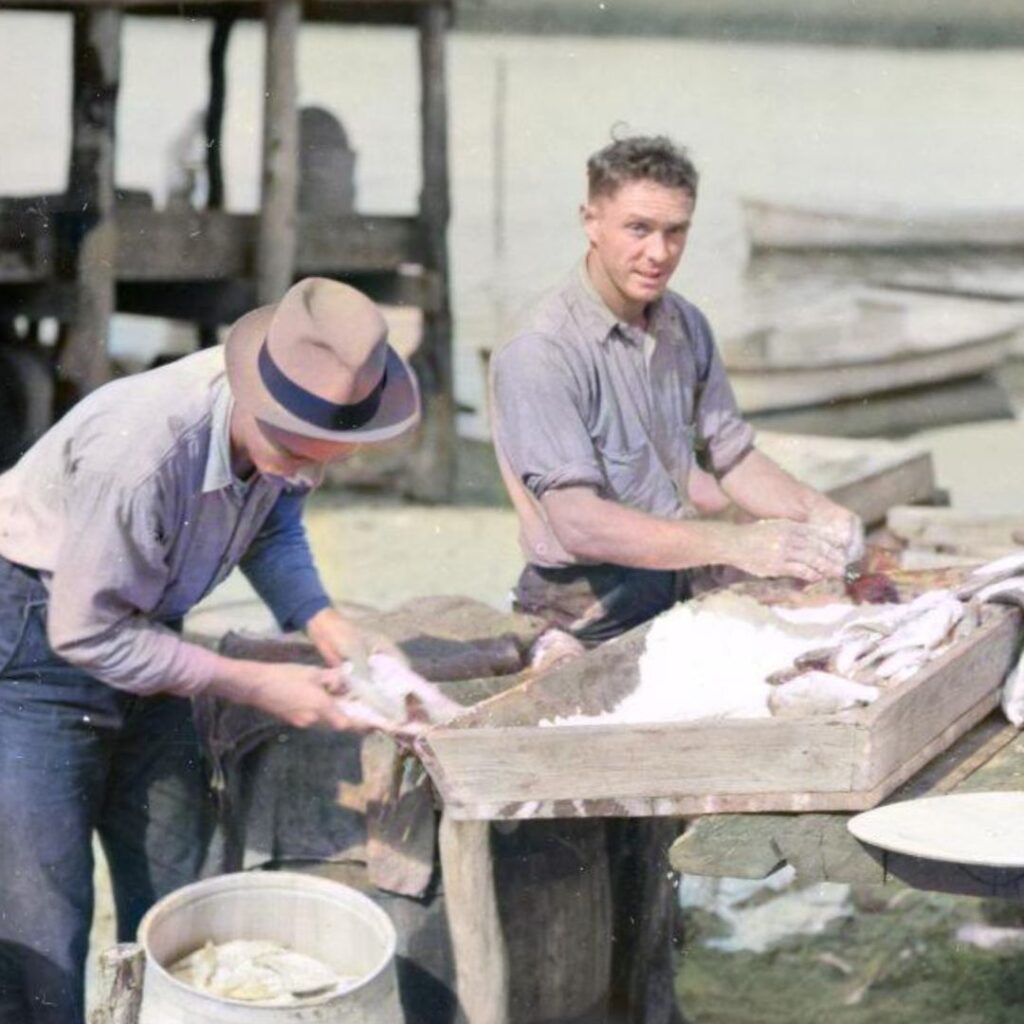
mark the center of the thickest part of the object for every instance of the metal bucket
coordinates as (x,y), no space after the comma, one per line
(336,924)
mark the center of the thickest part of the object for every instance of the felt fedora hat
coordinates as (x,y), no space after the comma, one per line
(318,364)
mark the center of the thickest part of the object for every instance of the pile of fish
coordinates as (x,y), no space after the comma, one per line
(867,656)
(259,972)
(386,694)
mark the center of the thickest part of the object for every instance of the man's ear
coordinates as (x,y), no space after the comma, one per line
(588,218)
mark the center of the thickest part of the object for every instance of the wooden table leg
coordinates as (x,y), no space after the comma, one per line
(120,996)
(471,903)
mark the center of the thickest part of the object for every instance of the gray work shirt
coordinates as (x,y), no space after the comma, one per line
(129,510)
(581,399)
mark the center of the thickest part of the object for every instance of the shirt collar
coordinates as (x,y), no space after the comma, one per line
(218,473)
(604,320)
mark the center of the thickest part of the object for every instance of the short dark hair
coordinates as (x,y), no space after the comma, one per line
(640,158)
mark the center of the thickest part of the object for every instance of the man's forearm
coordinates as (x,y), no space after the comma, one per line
(764,489)
(593,529)
(238,680)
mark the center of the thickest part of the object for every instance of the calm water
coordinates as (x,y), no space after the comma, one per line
(936,129)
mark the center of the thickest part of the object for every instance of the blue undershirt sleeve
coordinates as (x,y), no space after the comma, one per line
(279,565)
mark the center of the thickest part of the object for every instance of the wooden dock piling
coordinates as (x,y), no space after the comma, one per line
(276,248)
(92,255)
(433,466)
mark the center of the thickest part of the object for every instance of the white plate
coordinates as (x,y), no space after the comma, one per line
(963,828)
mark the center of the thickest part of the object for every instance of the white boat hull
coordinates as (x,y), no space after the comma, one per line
(782,227)
(866,342)
(769,389)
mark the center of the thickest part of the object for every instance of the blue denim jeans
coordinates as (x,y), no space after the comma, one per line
(78,757)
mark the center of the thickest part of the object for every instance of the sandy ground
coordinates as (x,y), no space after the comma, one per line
(379,552)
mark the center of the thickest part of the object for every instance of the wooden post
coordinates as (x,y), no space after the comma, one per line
(120,985)
(471,904)
(433,464)
(275,258)
(96,49)
(214,124)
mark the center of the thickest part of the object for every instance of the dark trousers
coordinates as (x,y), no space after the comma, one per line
(78,757)
(597,603)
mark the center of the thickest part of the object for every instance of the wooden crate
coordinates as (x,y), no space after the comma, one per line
(498,763)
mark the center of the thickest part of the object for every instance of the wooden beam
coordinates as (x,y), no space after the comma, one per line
(275,255)
(196,245)
(866,476)
(96,46)
(953,531)
(433,461)
(208,302)
(471,904)
(247,8)
(120,985)
(206,332)
(820,847)
(219,40)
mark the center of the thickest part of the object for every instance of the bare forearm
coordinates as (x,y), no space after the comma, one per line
(764,489)
(593,529)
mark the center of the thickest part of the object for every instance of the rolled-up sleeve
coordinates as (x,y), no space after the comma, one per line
(111,569)
(724,438)
(539,423)
(279,565)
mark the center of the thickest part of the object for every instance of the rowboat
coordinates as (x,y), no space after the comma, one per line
(865,342)
(772,225)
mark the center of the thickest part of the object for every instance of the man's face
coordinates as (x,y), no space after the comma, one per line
(637,237)
(298,459)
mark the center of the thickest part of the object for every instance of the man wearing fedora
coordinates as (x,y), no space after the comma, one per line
(112,527)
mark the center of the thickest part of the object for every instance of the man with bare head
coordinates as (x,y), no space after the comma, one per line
(616,431)
(616,426)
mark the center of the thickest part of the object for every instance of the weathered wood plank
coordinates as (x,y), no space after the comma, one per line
(213,122)
(819,846)
(96,47)
(952,531)
(214,245)
(119,1000)
(622,770)
(497,762)
(906,719)
(866,476)
(471,904)
(432,459)
(251,8)
(276,247)
(369,243)
(201,245)
(753,845)
(872,497)
(213,301)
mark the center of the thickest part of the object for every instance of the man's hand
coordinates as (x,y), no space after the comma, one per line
(301,695)
(842,526)
(780,547)
(339,640)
